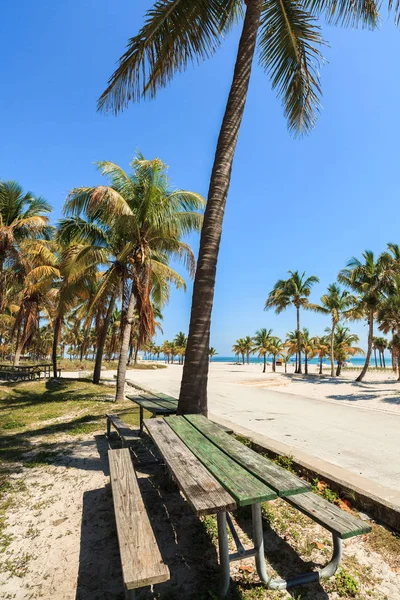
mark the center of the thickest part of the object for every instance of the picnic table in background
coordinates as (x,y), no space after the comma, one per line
(155,403)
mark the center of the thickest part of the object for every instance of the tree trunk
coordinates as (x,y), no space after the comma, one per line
(193,394)
(298,339)
(295,370)
(383,359)
(320,365)
(274,363)
(57,329)
(380,358)
(376,362)
(332,350)
(339,368)
(369,349)
(305,363)
(18,350)
(265,363)
(136,354)
(102,340)
(123,355)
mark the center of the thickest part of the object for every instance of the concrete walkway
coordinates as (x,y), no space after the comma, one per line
(363,441)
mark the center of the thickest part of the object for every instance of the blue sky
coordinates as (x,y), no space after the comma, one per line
(307,204)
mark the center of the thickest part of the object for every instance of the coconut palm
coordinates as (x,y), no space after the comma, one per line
(276,349)
(180,341)
(211,353)
(262,343)
(343,346)
(307,344)
(292,291)
(381,343)
(179,32)
(336,303)
(291,345)
(23,216)
(240,348)
(322,346)
(368,278)
(148,219)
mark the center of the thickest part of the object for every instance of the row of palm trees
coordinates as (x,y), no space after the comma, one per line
(371,292)
(264,344)
(172,350)
(100,278)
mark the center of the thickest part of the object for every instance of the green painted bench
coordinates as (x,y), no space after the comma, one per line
(216,473)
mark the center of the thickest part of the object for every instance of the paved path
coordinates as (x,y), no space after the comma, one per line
(361,440)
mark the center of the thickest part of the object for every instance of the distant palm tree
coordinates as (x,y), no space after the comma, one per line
(335,303)
(262,344)
(276,349)
(292,291)
(240,348)
(291,346)
(211,353)
(343,346)
(308,347)
(180,342)
(322,347)
(176,34)
(248,347)
(368,278)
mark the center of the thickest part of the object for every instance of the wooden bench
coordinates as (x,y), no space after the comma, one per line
(193,446)
(126,435)
(141,560)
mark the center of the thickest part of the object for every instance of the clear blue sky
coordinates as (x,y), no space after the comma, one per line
(307,204)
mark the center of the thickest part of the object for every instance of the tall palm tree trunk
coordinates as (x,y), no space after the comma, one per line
(369,349)
(193,394)
(102,340)
(376,362)
(123,355)
(383,359)
(331,350)
(298,370)
(57,330)
(265,363)
(320,365)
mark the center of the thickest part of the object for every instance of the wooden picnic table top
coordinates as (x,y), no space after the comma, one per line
(157,404)
(248,477)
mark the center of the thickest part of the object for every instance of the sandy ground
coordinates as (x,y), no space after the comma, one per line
(352,425)
(64,544)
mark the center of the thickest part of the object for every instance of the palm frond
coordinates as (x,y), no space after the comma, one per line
(288,50)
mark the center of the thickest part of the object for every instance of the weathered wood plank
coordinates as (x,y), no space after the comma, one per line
(202,491)
(338,521)
(151,406)
(277,478)
(242,485)
(141,559)
(124,431)
(170,405)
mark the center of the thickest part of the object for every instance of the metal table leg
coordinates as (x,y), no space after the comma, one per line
(225,576)
(284,584)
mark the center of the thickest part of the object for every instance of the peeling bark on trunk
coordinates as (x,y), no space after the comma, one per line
(193,394)
(102,341)
(123,355)
(370,342)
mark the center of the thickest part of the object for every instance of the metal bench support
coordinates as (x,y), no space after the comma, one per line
(258,551)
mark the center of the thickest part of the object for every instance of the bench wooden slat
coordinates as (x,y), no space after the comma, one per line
(141,560)
(202,491)
(336,520)
(168,404)
(242,485)
(123,429)
(277,478)
(151,406)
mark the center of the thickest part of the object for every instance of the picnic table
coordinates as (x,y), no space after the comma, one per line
(157,404)
(217,474)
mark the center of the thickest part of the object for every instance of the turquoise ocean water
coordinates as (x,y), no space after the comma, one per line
(355,361)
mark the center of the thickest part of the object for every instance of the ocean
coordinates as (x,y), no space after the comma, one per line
(357,361)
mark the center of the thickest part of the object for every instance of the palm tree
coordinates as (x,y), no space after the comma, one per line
(292,291)
(262,344)
(240,348)
(322,347)
(308,347)
(248,347)
(180,341)
(212,352)
(177,33)
(335,303)
(276,349)
(368,279)
(343,346)
(381,343)
(23,216)
(291,346)
(148,220)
